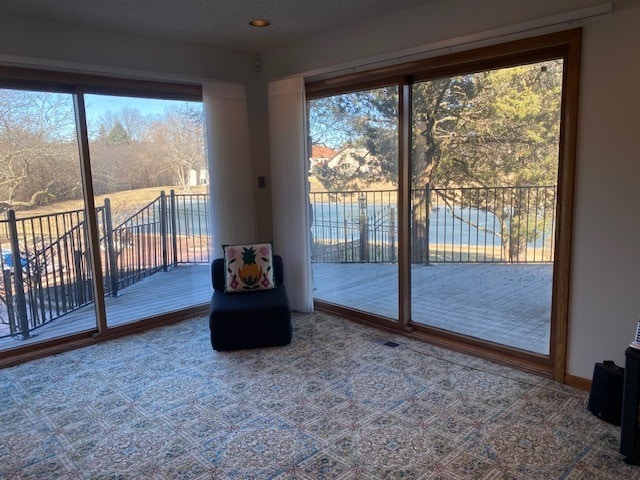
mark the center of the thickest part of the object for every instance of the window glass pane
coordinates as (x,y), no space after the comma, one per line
(353,184)
(151,181)
(46,273)
(483,203)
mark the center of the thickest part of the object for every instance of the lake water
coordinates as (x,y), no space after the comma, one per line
(460,226)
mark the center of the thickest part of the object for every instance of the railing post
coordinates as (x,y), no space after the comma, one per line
(163,230)
(364,228)
(18,281)
(393,233)
(174,227)
(111,251)
(80,283)
(427,203)
(8,297)
(345,233)
(36,275)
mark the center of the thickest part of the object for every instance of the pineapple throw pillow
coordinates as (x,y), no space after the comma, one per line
(248,267)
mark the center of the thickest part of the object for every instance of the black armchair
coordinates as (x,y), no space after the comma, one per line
(249,319)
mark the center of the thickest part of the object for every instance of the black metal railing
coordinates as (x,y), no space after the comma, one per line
(354,226)
(498,224)
(46,271)
(45,264)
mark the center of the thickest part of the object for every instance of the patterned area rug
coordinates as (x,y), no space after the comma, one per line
(335,404)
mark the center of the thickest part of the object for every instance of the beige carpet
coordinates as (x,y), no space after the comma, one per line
(335,404)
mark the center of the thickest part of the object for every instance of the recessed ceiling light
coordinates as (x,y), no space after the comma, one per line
(259,22)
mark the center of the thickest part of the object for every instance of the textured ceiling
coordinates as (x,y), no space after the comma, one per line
(221,23)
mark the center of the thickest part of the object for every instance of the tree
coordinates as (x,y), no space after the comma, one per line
(38,149)
(487,129)
(507,133)
(122,152)
(118,135)
(130,150)
(179,141)
(496,128)
(130,121)
(362,125)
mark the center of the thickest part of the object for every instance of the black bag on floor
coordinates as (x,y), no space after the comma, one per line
(605,398)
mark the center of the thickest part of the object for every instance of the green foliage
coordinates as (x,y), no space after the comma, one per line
(39,160)
(358,122)
(118,135)
(502,130)
(493,128)
(486,129)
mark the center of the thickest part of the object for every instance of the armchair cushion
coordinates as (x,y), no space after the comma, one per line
(251,319)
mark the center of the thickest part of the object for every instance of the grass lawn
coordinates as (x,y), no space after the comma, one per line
(132,198)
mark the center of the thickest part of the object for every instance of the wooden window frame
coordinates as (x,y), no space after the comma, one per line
(68,82)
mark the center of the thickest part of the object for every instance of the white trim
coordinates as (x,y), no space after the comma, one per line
(460,43)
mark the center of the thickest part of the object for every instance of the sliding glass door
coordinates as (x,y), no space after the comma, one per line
(444,200)
(482,200)
(354,200)
(484,171)
(46,272)
(150,186)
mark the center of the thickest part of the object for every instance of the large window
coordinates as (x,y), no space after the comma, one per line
(105,205)
(47,274)
(484,171)
(476,149)
(150,182)
(354,198)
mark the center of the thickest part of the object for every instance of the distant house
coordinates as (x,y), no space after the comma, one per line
(320,154)
(196,179)
(352,160)
(204,176)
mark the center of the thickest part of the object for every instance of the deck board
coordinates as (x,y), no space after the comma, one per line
(506,304)
(181,287)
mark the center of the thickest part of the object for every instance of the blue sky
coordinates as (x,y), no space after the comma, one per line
(98,105)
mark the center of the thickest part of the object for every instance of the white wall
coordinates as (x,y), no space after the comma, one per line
(31,40)
(605,299)
(426,24)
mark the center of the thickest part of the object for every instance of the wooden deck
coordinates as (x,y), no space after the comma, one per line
(163,292)
(506,304)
